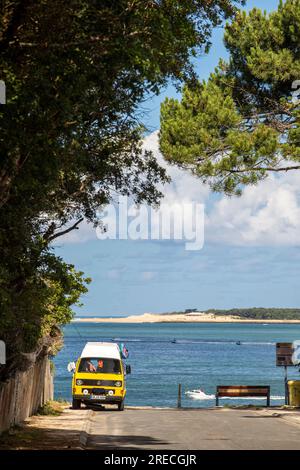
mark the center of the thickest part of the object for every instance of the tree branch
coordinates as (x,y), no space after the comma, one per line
(49,238)
(286,168)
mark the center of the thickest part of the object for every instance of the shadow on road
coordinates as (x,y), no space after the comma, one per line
(125,441)
(36,438)
(102,408)
(262,417)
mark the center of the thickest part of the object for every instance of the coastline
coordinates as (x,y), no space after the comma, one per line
(178,318)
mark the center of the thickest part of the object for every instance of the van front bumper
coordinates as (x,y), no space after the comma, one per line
(108,399)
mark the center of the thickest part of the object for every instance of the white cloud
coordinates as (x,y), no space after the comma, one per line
(266,214)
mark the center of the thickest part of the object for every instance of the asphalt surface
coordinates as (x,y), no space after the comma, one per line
(211,429)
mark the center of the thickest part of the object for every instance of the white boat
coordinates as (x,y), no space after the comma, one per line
(199,395)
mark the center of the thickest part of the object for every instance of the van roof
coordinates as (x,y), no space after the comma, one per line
(101,349)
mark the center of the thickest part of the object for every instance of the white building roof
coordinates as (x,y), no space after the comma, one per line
(109,350)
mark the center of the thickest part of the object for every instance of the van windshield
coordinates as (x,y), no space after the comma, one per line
(100,365)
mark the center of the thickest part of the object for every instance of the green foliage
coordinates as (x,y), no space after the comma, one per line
(253,313)
(242,124)
(75,74)
(260,313)
(52,408)
(32,309)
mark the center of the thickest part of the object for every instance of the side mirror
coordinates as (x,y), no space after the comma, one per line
(71,366)
(128,369)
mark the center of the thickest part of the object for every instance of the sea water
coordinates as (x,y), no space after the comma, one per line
(203,356)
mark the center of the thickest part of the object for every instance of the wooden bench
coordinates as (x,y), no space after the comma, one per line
(243,391)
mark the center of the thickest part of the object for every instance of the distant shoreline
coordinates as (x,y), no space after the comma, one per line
(179,318)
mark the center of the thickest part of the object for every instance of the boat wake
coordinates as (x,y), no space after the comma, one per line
(189,341)
(200,395)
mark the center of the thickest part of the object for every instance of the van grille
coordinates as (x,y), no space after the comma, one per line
(103,383)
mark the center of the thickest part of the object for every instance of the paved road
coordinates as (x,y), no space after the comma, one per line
(190,429)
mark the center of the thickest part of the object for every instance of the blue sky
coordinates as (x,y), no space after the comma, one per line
(250,256)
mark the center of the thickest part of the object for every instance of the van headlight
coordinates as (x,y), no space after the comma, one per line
(79,382)
(110,392)
(118,383)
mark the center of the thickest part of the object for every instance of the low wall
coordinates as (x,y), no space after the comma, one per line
(22,395)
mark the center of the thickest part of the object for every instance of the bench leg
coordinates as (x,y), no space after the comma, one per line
(268,399)
(217,400)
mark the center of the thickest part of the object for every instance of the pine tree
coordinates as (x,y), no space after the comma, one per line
(244,122)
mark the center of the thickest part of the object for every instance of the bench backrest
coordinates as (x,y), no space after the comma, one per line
(243,390)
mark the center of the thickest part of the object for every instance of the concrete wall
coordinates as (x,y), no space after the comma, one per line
(21,396)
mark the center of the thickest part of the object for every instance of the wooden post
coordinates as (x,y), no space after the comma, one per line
(268,397)
(179,396)
(286,387)
(217,397)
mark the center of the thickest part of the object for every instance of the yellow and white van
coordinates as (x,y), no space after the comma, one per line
(99,376)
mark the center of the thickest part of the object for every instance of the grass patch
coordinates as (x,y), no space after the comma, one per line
(52,408)
(290,408)
(243,407)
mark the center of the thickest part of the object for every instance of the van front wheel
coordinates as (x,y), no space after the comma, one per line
(76,404)
(121,406)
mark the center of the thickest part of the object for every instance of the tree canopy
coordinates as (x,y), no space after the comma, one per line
(260,313)
(243,123)
(70,133)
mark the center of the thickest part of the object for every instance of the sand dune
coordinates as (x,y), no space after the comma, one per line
(178,318)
